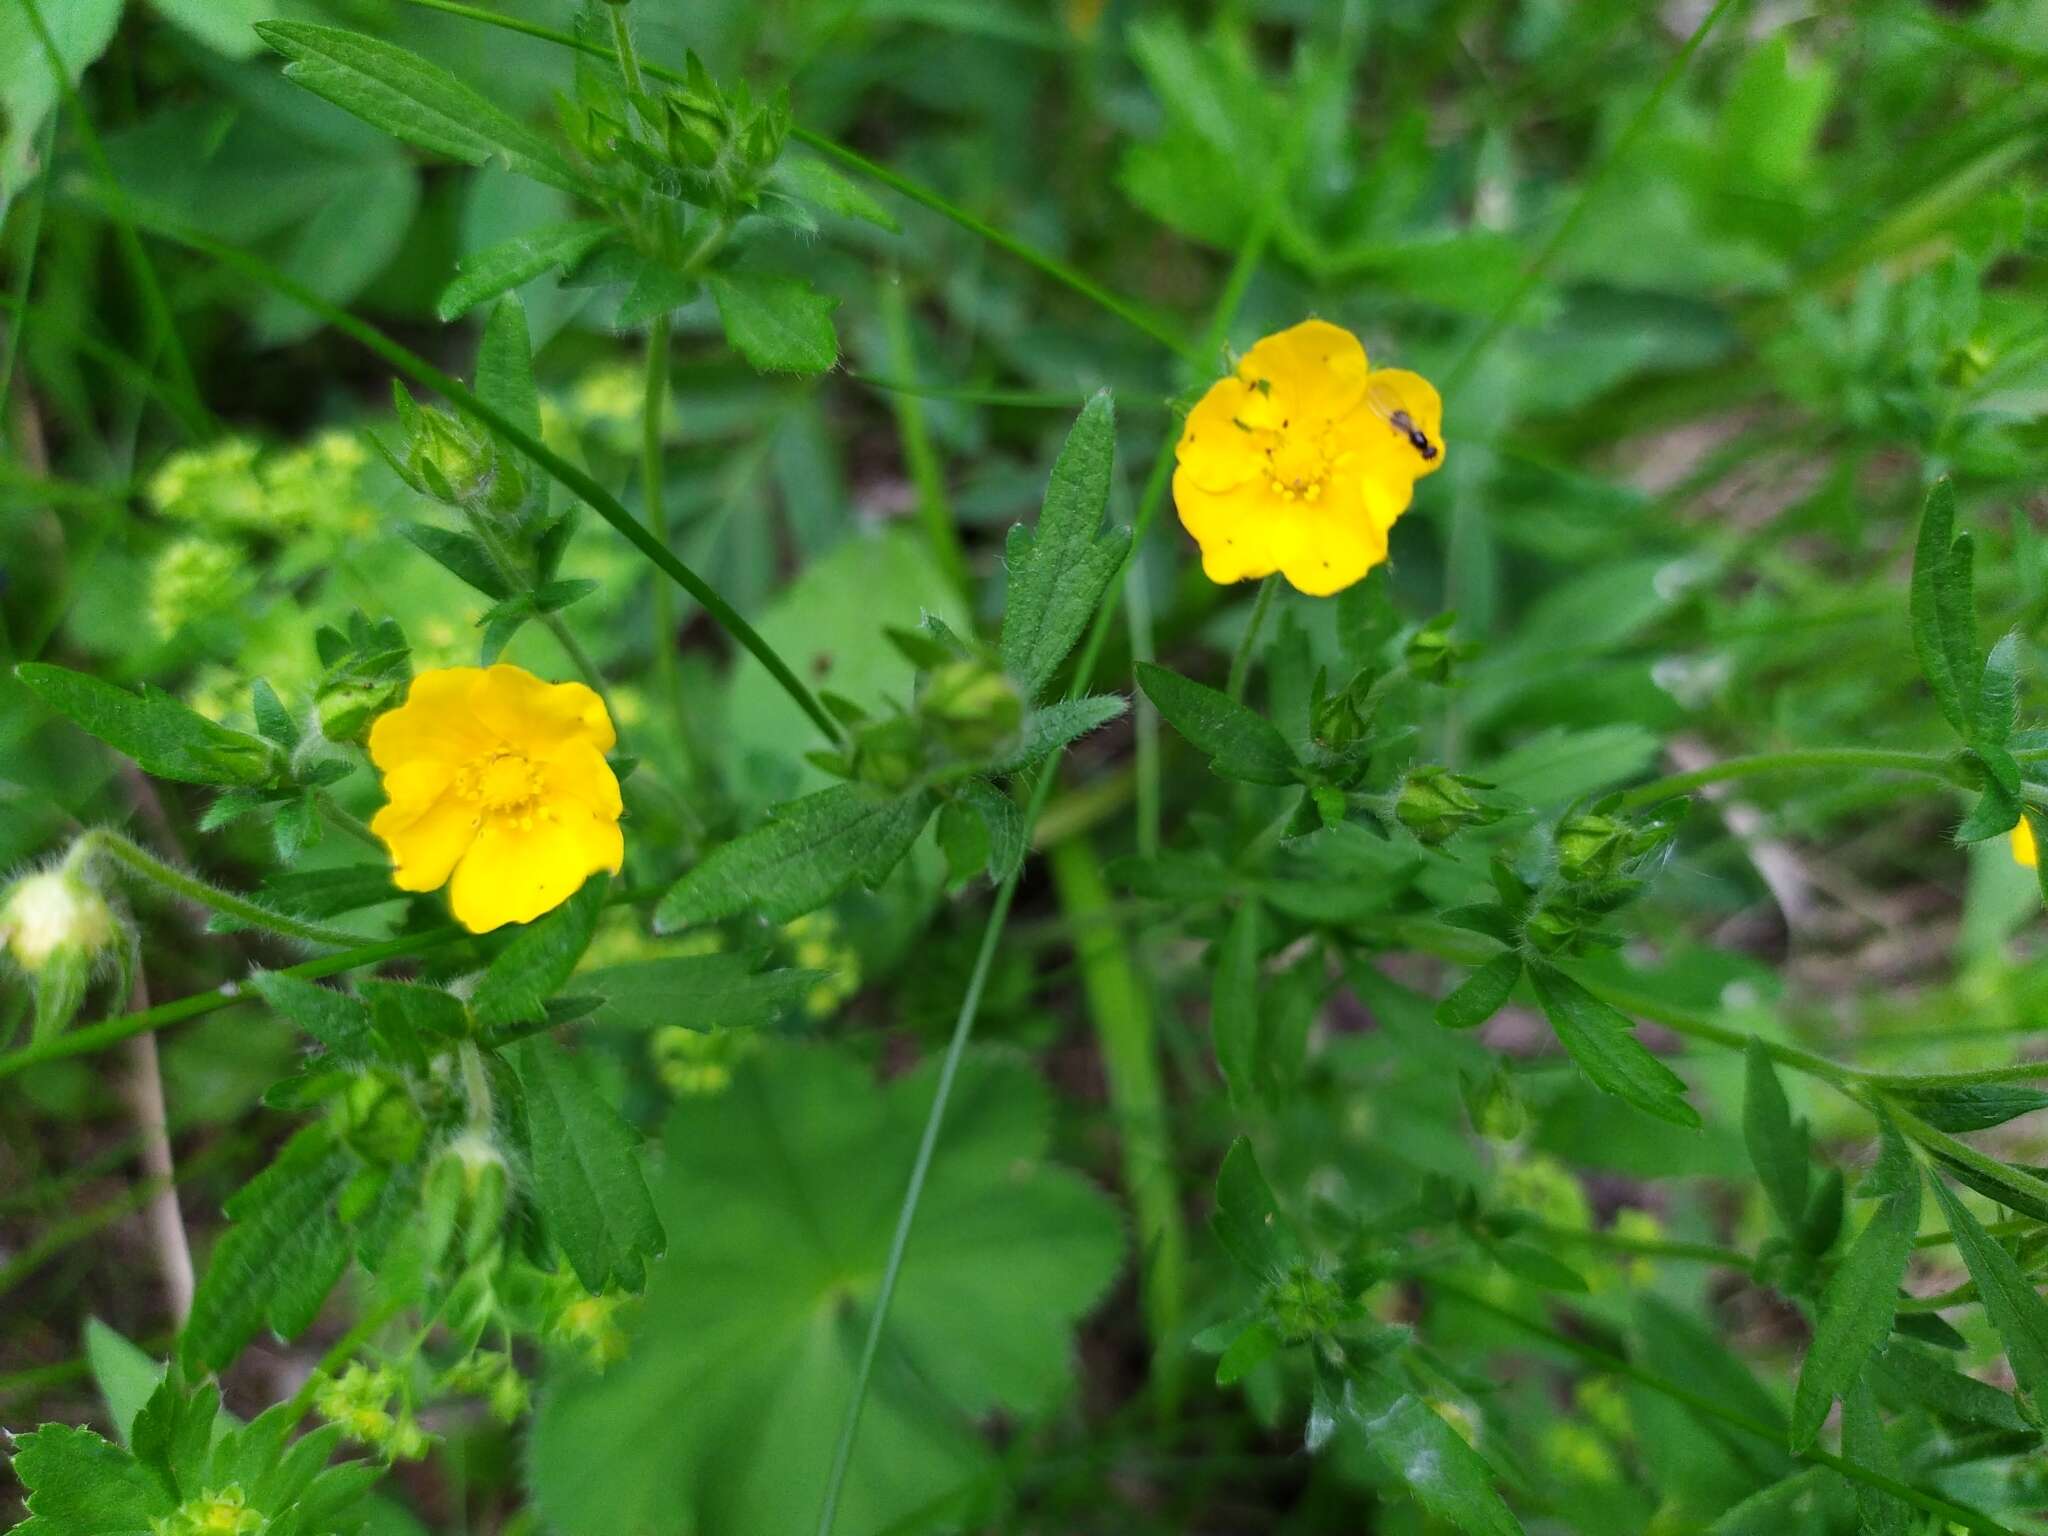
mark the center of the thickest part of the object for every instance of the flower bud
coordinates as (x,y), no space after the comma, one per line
(1435,803)
(45,917)
(889,754)
(379,1120)
(1434,651)
(1302,1304)
(211,1512)
(1593,847)
(973,706)
(1493,1105)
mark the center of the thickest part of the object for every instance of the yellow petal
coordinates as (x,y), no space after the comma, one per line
(2024,849)
(578,771)
(513,875)
(415,784)
(1232,528)
(1314,371)
(435,721)
(535,717)
(1388,448)
(426,842)
(1215,452)
(1324,550)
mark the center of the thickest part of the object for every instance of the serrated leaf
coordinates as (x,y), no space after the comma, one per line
(412,99)
(1240,744)
(338,1021)
(1482,994)
(585,1166)
(1943,608)
(1052,726)
(1864,1441)
(1234,1002)
(1968,1106)
(82,1485)
(720,991)
(273,720)
(1059,569)
(1002,823)
(279,1259)
(510,263)
(533,967)
(163,736)
(814,181)
(126,1375)
(1777,1143)
(1856,1311)
(2014,1307)
(1909,1374)
(779,324)
(807,852)
(746,1347)
(1602,1041)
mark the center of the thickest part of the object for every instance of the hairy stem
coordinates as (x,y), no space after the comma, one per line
(1241,660)
(1932,765)
(103,842)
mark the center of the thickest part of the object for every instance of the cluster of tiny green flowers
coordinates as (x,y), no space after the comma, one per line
(588,1322)
(698,1063)
(814,943)
(491,1375)
(213,1512)
(194,577)
(359,1402)
(1547,1190)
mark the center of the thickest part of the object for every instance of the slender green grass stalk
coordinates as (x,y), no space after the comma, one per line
(1016,399)
(185,410)
(163,324)
(1589,189)
(1120,1004)
(606,505)
(104,842)
(654,502)
(1932,765)
(1241,661)
(24,277)
(934,508)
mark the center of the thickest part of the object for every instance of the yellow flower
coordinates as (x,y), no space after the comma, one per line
(2024,849)
(1301,460)
(498,779)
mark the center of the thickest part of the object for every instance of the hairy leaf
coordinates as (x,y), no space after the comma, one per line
(1856,1311)
(1777,1143)
(1602,1041)
(1482,994)
(163,736)
(1240,744)
(508,264)
(779,324)
(2014,1307)
(1059,569)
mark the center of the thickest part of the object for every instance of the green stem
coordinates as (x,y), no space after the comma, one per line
(606,505)
(510,572)
(1018,399)
(1511,306)
(1241,661)
(354,826)
(654,500)
(934,509)
(629,61)
(1121,1008)
(1714,1408)
(161,320)
(24,279)
(103,842)
(1932,765)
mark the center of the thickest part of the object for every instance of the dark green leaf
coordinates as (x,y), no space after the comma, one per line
(1864,1441)
(460,553)
(721,991)
(1008,839)
(1856,1312)
(1602,1041)
(1969,1106)
(1247,1219)
(1777,1143)
(779,324)
(1998,691)
(1240,744)
(814,181)
(506,265)
(81,1485)
(533,967)
(1059,570)
(586,1171)
(1482,994)
(1052,726)
(163,736)
(1907,1374)
(1450,1480)
(338,1021)
(1234,1003)
(1943,609)
(807,852)
(2014,1307)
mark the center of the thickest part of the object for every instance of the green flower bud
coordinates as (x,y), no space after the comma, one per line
(973,706)
(1493,1105)
(359,1402)
(1435,803)
(889,754)
(1303,1304)
(1593,847)
(192,578)
(222,1512)
(1433,653)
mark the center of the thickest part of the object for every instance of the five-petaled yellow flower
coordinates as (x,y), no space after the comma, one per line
(498,779)
(2024,849)
(1301,460)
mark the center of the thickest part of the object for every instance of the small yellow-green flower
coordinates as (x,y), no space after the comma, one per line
(499,789)
(1301,460)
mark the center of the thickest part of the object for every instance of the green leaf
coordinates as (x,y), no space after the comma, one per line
(461,553)
(1255,1345)
(814,181)
(510,263)
(338,1021)
(1450,1480)
(1482,994)
(1856,1311)
(2013,1306)
(721,991)
(174,1432)
(1602,1041)
(162,735)
(1998,691)
(1943,609)
(1777,1143)
(1059,570)
(1052,726)
(1009,840)
(779,324)
(1247,1219)
(411,1021)
(126,1375)
(1907,1374)
(411,99)
(745,1349)
(1240,744)
(585,1165)
(1969,1106)
(82,1485)
(281,1257)
(1863,1440)
(504,366)
(1234,1003)
(806,853)
(533,967)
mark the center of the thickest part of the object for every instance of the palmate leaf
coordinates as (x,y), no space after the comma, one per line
(411,98)
(806,853)
(1059,569)
(744,1356)
(585,1163)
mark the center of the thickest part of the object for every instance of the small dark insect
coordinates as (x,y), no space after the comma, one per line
(1403,422)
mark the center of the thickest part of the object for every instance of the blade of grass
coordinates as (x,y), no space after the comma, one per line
(934,509)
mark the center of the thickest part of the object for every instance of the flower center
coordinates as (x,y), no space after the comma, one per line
(1298,465)
(503,783)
